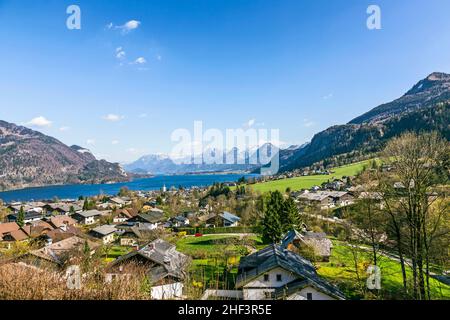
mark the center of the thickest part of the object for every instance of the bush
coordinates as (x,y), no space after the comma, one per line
(205,231)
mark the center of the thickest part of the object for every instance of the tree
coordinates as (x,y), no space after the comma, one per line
(124,192)
(21,217)
(290,218)
(410,192)
(272,227)
(86,204)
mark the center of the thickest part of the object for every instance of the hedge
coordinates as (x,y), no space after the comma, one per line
(192,231)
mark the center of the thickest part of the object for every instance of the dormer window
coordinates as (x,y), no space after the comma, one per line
(266,278)
(279,278)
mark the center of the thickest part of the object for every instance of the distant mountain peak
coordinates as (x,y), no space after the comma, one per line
(438,76)
(427,92)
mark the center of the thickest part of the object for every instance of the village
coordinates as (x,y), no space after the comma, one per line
(222,242)
(145,227)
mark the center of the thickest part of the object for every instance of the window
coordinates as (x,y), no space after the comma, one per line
(279,278)
(266,278)
(309,296)
(267,295)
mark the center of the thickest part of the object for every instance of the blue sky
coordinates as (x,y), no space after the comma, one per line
(298,66)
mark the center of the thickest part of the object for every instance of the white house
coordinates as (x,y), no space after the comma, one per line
(275,273)
(106,233)
(87,217)
(166,268)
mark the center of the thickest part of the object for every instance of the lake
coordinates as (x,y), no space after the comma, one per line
(144,184)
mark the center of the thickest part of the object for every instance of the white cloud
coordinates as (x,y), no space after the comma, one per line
(130,25)
(126,27)
(308,123)
(64,129)
(39,122)
(114,142)
(251,122)
(159,57)
(90,142)
(140,60)
(113,117)
(120,53)
(143,115)
(328,96)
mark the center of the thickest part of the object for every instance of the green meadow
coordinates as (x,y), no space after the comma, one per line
(307,182)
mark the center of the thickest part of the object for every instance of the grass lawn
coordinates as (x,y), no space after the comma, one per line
(115,252)
(307,182)
(215,258)
(341,271)
(211,245)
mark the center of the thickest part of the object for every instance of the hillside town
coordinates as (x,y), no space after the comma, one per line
(220,242)
(139,224)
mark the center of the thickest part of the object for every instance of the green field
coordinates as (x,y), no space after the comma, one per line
(341,270)
(307,182)
(114,252)
(215,259)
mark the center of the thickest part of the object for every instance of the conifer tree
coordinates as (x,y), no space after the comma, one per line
(272,228)
(21,217)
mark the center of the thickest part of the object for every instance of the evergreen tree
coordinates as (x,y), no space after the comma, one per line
(290,218)
(21,217)
(86,204)
(272,228)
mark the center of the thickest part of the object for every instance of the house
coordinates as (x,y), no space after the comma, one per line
(327,199)
(30,216)
(57,255)
(106,233)
(11,232)
(29,207)
(133,236)
(319,199)
(123,215)
(274,273)
(87,217)
(62,208)
(319,242)
(179,221)
(224,219)
(120,202)
(165,266)
(61,221)
(60,234)
(151,220)
(37,229)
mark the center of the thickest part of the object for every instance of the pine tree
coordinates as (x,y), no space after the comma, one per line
(290,217)
(86,204)
(21,217)
(272,228)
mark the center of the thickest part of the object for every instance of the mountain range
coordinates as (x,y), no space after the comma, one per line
(29,158)
(243,160)
(425,107)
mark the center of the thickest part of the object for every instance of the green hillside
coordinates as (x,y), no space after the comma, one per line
(307,182)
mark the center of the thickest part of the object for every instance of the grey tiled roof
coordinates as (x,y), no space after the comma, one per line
(89,213)
(169,261)
(275,256)
(105,230)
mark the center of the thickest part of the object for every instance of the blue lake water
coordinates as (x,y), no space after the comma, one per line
(145,184)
